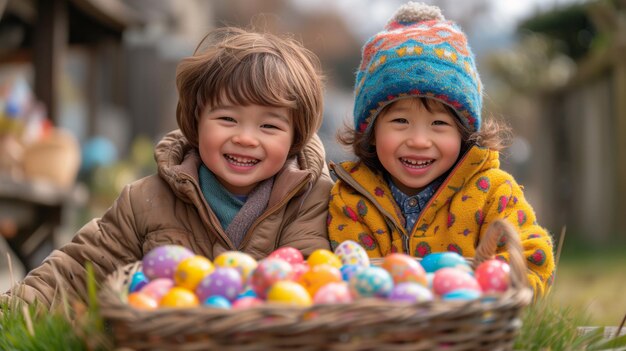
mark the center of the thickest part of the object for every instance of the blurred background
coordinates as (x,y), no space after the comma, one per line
(87,87)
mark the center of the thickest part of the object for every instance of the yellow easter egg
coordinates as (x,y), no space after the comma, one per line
(241,261)
(191,271)
(142,301)
(318,276)
(323,256)
(179,297)
(289,293)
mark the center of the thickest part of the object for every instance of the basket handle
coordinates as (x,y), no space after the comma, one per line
(489,243)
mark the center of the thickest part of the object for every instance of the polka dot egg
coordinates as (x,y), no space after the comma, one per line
(350,252)
(162,261)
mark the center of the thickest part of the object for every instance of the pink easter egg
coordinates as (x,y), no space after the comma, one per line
(247,302)
(333,293)
(448,279)
(299,269)
(157,288)
(269,271)
(161,262)
(493,275)
(289,254)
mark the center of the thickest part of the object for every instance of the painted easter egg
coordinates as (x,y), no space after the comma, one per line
(404,268)
(371,282)
(318,276)
(323,256)
(161,262)
(350,252)
(268,272)
(138,281)
(347,271)
(289,293)
(437,260)
(448,279)
(142,301)
(157,288)
(179,298)
(217,302)
(299,269)
(246,302)
(224,281)
(289,254)
(192,270)
(493,275)
(410,292)
(241,261)
(333,293)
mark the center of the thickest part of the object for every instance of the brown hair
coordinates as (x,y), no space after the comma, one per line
(493,134)
(247,67)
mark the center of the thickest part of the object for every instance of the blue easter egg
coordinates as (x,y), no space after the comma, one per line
(434,261)
(371,281)
(138,281)
(217,302)
(461,294)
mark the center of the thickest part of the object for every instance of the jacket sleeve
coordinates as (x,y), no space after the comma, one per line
(507,201)
(307,231)
(345,223)
(109,242)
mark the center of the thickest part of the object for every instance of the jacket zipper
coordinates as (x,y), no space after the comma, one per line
(343,175)
(441,187)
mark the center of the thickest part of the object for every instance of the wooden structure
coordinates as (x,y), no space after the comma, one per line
(31,213)
(587,131)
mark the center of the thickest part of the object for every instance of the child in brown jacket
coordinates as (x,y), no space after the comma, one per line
(246,171)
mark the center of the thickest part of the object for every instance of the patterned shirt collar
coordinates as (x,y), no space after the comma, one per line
(412,206)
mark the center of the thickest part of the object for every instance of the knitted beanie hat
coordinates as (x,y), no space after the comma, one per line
(418,54)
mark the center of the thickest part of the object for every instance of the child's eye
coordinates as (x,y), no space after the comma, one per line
(227,119)
(399,120)
(440,123)
(269,126)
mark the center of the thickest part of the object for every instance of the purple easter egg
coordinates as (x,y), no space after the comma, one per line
(224,281)
(410,292)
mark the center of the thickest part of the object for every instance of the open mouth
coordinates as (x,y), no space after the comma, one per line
(241,161)
(415,163)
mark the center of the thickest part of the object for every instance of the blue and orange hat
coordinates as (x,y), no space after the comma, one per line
(418,54)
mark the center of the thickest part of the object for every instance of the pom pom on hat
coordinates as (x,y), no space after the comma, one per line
(413,12)
(418,54)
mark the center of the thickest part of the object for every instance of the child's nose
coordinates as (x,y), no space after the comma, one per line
(246,138)
(419,139)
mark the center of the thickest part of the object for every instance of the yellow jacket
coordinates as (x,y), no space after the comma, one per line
(476,192)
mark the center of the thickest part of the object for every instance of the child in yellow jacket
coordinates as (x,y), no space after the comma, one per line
(428,175)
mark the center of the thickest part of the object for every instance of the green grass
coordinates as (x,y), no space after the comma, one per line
(77,328)
(592,280)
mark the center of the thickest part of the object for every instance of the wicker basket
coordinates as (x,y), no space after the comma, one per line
(489,323)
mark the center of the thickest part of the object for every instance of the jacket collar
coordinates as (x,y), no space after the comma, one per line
(372,183)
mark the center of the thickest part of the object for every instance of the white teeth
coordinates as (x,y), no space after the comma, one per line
(241,161)
(414,163)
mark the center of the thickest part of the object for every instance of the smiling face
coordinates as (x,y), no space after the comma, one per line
(244,145)
(415,144)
